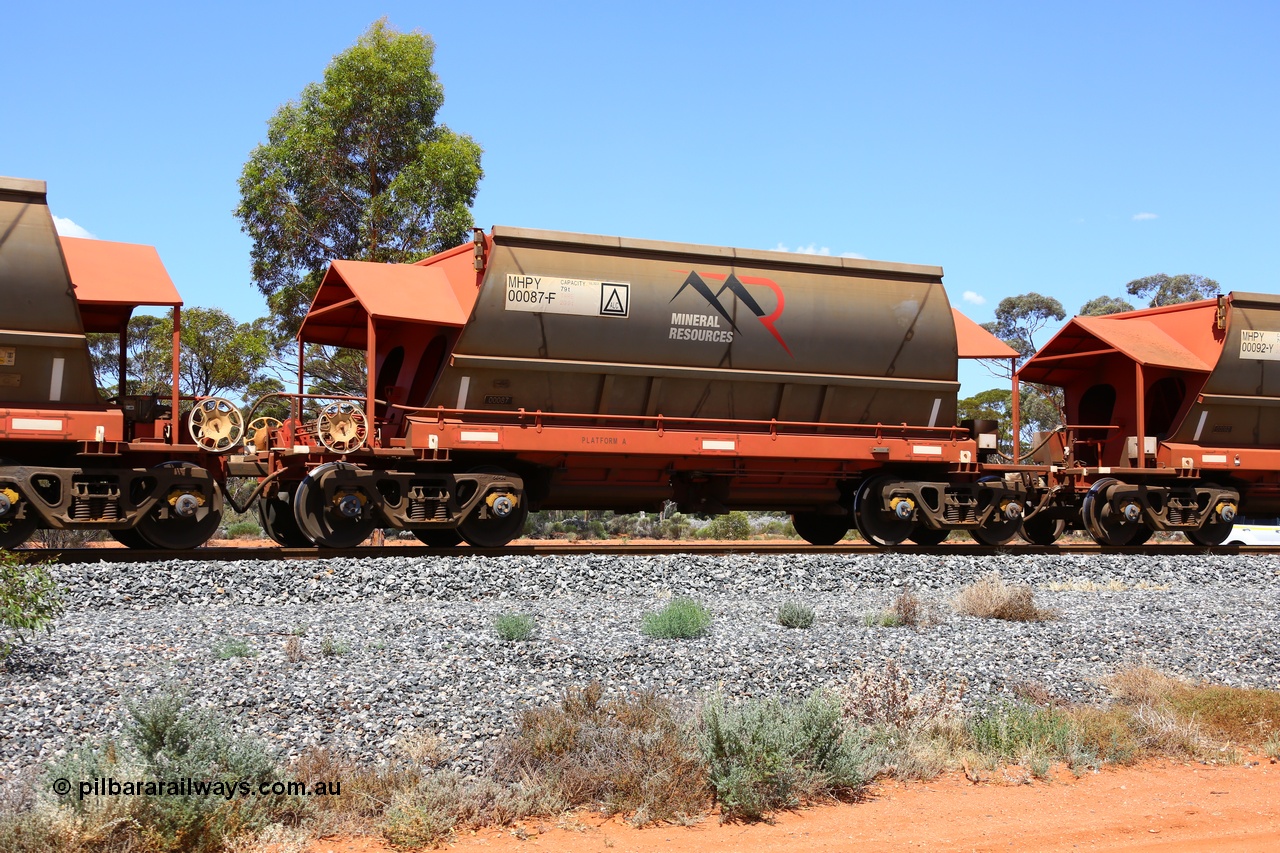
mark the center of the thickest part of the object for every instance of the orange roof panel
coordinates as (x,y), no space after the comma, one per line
(973,341)
(106,273)
(1144,342)
(410,293)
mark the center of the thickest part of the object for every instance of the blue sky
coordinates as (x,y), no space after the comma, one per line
(1061,148)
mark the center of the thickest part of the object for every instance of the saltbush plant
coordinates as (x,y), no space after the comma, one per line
(514,627)
(29,601)
(682,619)
(793,614)
(764,755)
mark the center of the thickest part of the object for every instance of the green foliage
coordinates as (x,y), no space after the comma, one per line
(166,742)
(357,168)
(682,619)
(793,614)
(734,525)
(514,627)
(1018,732)
(1019,318)
(244,530)
(1162,289)
(219,356)
(1104,305)
(765,755)
(29,600)
(329,647)
(1039,411)
(233,647)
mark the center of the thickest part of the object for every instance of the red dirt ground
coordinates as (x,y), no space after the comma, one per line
(1159,806)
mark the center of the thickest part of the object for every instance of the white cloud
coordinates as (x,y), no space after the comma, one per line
(853,255)
(1143,217)
(973,298)
(67,228)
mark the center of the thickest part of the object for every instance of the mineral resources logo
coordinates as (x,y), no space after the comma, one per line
(707,327)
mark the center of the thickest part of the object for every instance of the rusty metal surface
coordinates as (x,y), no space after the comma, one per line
(44,357)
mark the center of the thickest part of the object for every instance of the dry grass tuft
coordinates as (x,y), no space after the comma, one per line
(990,597)
(907,611)
(633,756)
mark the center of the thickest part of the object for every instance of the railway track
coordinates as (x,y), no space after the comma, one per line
(214,553)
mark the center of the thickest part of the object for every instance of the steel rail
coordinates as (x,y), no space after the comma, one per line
(223,554)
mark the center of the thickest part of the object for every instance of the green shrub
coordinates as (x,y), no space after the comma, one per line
(792,614)
(735,525)
(243,530)
(234,647)
(765,755)
(329,647)
(165,742)
(29,600)
(514,627)
(1022,733)
(682,619)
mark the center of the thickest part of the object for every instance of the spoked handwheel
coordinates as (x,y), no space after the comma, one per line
(922,535)
(1106,524)
(342,521)
(342,427)
(439,537)
(819,529)
(182,519)
(216,424)
(275,514)
(498,518)
(999,528)
(260,430)
(876,524)
(1039,529)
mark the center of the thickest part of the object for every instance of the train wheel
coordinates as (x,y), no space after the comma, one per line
(440,537)
(275,514)
(818,529)
(344,522)
(1211,534)
(922,535)
(1041,530)
(15,531)
(182,528)
(999,528)
(1140,538)
(131,538)
(494,522)
(1104,523)
(876,524)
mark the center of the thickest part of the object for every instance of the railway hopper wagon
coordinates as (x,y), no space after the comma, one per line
(541,370)
(1172,422)
(68,458)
